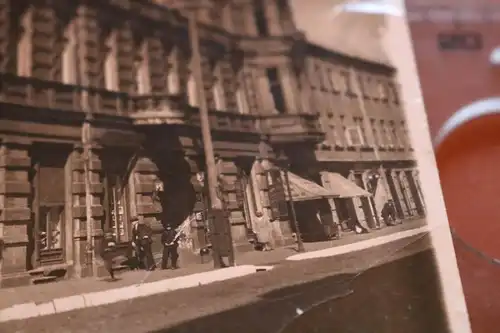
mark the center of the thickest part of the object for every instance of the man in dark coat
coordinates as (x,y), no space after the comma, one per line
(142,238)
(169,240)
(108,247)
(389,213)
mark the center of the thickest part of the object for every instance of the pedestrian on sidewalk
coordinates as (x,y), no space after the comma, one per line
(389,213)
(142,239)
(108,247)
(169,239)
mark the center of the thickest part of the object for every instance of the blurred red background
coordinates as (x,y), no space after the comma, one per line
(469,160)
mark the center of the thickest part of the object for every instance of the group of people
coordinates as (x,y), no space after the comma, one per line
(142,240)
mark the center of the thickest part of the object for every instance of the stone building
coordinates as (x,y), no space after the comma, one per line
(125,68)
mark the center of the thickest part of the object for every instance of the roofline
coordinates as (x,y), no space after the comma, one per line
(351,58)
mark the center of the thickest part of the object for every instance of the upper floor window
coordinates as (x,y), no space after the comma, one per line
(69,56)
(241,100)
(363,86)
(142,74)
(173,80)
(354,136)
(375,133)
(285,15)
(346,82)
(394,93)
(192,91)
(218,89)
(239,19)
(276,89)
(111,64)
(259,13)
(24,47)
(382,91)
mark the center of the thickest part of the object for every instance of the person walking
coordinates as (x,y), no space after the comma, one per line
(107,252)
(142,239)
(170,244)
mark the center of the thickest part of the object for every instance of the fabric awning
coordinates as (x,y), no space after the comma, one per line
(303,189)
(342,187)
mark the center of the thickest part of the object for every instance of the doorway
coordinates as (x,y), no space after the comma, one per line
(47,230)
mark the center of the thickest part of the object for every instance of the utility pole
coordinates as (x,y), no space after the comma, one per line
(86,141)
(300,244)
(212,174)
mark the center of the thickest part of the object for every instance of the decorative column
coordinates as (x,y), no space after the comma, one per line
(228,173)
(15,217)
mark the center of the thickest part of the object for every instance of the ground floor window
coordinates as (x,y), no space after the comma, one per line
(50,227)
(115,206)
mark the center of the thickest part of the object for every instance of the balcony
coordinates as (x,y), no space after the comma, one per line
(36,93)
(292,128)
(171,110)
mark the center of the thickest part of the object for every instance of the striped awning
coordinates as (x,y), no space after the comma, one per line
(342,187)
(303,189)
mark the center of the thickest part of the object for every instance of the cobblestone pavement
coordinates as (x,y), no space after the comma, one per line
(263,302)
(47,292)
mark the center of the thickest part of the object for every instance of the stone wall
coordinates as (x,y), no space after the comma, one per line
(15,193)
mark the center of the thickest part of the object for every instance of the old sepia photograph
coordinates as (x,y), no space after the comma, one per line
(211,166)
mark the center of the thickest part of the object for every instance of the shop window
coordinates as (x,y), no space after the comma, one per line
(115,203)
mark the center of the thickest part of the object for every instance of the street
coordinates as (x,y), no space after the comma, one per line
(400,295)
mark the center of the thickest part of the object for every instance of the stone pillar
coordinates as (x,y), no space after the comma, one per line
(82,267)
(411,200)
(401,202)
(358,205)
(71,229)
(15,218)
(370,203)
(228,173)
(418,190)
(262,223)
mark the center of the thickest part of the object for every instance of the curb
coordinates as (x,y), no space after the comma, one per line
(88,300)
(357,246)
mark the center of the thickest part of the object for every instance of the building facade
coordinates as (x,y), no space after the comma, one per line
(107,92)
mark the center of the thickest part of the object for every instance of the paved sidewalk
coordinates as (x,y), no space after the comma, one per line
(47,292)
